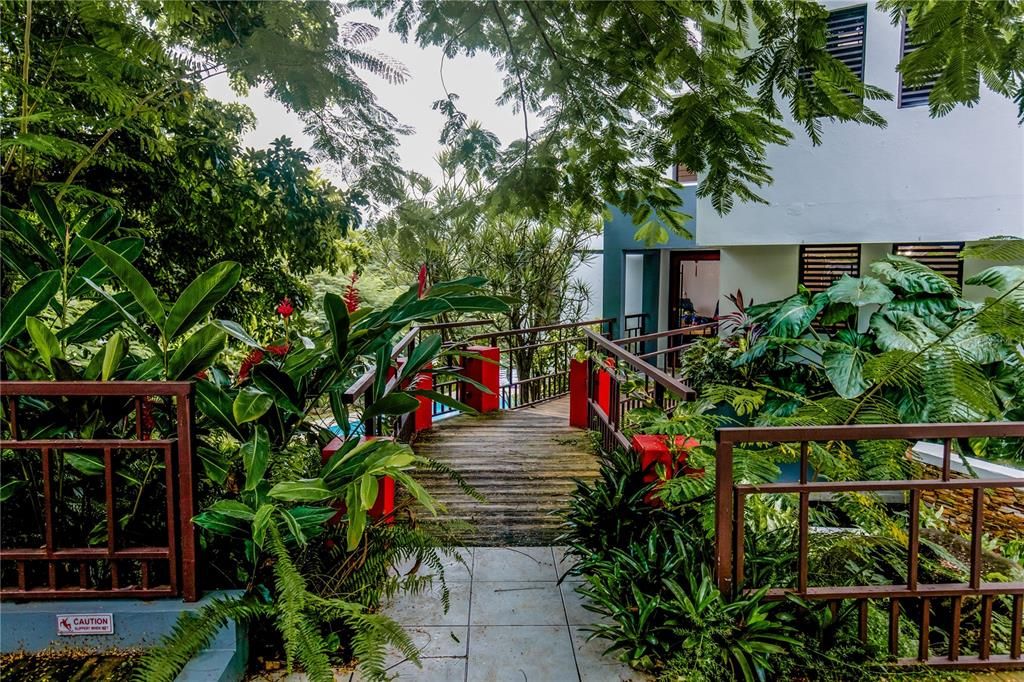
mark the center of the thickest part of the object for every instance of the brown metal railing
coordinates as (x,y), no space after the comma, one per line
(730,501)
(677,341)
(659,388)
(550,347)
(73,568)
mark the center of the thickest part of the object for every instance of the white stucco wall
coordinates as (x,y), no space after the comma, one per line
(955,178)
(633,284)
(763,273)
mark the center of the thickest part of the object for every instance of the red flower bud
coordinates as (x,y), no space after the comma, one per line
(285,308)
(254,358)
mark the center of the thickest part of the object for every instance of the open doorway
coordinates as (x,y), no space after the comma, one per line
(693,288)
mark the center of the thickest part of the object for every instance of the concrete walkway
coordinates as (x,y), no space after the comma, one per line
(509,621)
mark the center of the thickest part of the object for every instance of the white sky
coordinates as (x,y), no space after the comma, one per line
(476,81)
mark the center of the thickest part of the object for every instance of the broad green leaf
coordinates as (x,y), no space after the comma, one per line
(898,330)
(48,213)
(114,351)
(214,464)
(477,304)
(256,456)
(912,276)
(234,329)
(368,488)
(457,287)
(302,490)
(95,269)
(100,224)
(293,526)
(251,403)
(133,281)
(15,260)
(260,522)
(221,523)
(234,509)
(312,519)
(8,489)
(339,410)
(859,291)
(29,233)
(197,352)
(279,385)
(382,370)
(43,339)
(356,518)
(338,322)
(424,352)
(100,319)
(443,399)
(199,297)
(216,404)
(90,465)
(422,309)
(844,367)
(32,297)
(394,403)
(127,316)
(795,314)
(150,370)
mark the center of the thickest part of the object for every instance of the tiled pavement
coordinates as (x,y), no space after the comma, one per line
(509,620)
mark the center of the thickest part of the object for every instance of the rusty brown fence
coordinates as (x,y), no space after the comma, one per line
(910,597)
(52,563)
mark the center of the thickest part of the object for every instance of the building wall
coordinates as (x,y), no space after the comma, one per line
(762,273)
(954,178)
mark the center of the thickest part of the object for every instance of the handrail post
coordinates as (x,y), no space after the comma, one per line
(186,499)
(723,516)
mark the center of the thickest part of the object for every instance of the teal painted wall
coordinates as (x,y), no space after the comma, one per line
(619,240)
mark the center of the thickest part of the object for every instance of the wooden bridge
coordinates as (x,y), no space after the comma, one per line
(523,462)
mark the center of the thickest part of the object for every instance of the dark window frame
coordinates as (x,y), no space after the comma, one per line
(905,93)
(958,280)
(803,265)
(676,175)
(862,11)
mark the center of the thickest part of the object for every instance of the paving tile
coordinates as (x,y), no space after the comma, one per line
(517,653)
(563,563)
(574,611)
(516,603)
(454,570)
(593,667)
(425,608)
(430,670)
(433,642)
(514,563)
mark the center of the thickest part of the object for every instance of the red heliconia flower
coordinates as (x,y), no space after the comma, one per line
(254,358)
(285,308)
(279,351)
(422,280)
(352,294)
(202,375)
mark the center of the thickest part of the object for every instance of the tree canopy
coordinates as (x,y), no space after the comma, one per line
(627,89)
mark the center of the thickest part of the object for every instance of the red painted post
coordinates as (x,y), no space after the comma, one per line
(384,506)
(424,418)
(578,394)
(483,370)
(604,387)
(654,450)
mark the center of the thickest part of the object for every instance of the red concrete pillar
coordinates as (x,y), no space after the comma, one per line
(483,370)
(384,506)
(578,394)
(653,451)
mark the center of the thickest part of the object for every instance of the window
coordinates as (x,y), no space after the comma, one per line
(823,264)
(680,173)
(943,257)
(917,96)
(845,37)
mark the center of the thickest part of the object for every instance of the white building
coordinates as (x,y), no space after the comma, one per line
(919,185)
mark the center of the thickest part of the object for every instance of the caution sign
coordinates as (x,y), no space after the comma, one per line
(85,624)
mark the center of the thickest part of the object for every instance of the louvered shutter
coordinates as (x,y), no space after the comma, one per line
(917,96)
(683,174)
(942,257)
(845,37)
(823,264)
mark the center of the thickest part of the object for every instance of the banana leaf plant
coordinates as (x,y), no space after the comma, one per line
(276,402)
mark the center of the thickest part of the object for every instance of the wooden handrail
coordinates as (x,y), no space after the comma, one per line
(545,328)
(653,336)
(656,375)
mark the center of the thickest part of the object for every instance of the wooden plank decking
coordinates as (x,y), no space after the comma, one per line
(523,461)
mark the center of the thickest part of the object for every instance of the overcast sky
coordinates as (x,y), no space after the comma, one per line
(475,80)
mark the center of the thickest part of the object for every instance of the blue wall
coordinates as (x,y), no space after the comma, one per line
(619,239)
